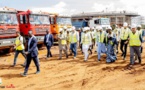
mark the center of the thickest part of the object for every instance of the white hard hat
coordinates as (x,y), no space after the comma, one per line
(139,26)
(86,28)
(60,30)
(99,28)
(70,29)
(133,26)
(109,27)
(125,24)
(73,28)
(65,27)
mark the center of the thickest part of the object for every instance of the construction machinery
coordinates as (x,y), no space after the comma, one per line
(80,24)
(103,22)
(58,21)
(8,28)
(38,22)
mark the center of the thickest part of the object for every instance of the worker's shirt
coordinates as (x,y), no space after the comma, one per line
(30,42)
(19,40)
(62,39)
(124,33)
(135,39)
(86,39)
(74,37)
(116,31)
(47,40)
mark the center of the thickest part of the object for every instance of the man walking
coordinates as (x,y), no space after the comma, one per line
(135,41)
(32,54)
(86,40)
(19,48)
(74,38)
(101,42)
(48,42)
(62,44)
(123,36)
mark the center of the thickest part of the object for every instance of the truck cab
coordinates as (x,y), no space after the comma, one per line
(80,24)
(8,28)
(57,22)
(103,22)
(38,22)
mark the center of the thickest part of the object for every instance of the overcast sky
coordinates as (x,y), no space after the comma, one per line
(76,6)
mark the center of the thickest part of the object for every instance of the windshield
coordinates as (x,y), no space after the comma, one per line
(105,22)
(37,19)
(64,20)
(8,18)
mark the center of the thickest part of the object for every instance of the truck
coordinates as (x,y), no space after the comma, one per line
(103,22)
(92,22)
(8,27)
(58,21)
(38,22)
(80,24)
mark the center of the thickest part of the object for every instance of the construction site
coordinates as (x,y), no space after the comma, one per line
(70,72)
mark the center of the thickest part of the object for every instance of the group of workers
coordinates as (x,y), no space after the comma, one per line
(103,40)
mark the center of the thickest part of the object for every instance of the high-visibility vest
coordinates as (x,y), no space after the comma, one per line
(101,37)
(134,39)
(86,39)
(73,37)
(124,33)
(112,35)
(63,41)
(17,42)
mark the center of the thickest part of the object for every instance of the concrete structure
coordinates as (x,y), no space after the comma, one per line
(115,17)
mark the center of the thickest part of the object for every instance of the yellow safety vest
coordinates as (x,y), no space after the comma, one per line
(73,37)
(101,37)
(86,39)
(134,39)
(112,35)
(124,33)
(17,42)
(63,41)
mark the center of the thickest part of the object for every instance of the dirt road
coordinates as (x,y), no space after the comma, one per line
(69,74)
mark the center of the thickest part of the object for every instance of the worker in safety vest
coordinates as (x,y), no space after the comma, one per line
(101,42)
(110,43)
(62,44)
(92,30)
(74,39)
(124,33)
(19,48)
(135,41)
(96,39)
(142,33)
(90,33)
(80,35)
(68,40)
(85,40)
(116,31)
(65,31)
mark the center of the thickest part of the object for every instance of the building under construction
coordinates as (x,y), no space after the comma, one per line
(115,17)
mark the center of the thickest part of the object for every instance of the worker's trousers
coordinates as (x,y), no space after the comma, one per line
(134,50)
(64,49)
(123,48)
(101,49)
(85,51)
